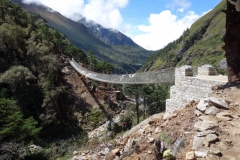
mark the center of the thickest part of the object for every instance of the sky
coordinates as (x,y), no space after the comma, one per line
(152,24)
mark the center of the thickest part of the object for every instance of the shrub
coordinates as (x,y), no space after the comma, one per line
(12,150)
(126,122)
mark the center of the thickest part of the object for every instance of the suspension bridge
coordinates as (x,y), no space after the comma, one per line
(153,77)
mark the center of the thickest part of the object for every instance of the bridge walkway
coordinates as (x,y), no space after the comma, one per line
(160,76)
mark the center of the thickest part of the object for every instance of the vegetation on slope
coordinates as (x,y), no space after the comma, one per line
(34,106)
(151,97)
(201,44)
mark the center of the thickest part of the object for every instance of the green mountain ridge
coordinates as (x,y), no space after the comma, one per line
(200,44)
(126,58)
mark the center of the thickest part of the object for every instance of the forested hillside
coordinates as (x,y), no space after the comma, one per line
(35,106)
(198,45)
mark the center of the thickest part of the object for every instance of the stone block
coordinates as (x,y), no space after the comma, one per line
(207,70)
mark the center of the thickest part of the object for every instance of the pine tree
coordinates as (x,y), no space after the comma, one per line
(13,125)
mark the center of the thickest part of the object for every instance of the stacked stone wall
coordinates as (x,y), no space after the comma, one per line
(207,70)
(188,87)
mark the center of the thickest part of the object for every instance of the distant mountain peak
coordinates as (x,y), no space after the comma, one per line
(108,35)
(87,22)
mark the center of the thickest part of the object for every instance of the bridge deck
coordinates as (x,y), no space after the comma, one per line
(161,76)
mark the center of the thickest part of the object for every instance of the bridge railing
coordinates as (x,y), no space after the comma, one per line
(160,76)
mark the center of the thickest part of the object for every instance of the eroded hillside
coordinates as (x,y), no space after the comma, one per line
(206,129)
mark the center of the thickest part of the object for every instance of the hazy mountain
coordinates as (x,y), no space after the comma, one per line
(106,44)
(109,36)
(200,44)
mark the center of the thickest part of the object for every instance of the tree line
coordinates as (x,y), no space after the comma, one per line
(153,98)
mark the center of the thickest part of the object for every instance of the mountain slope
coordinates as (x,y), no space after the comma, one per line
(198,45)
(126,56)
(109,36)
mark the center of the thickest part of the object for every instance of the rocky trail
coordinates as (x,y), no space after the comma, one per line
(205,129)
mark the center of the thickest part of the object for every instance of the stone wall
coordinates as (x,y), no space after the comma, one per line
(207,70)
(188,87)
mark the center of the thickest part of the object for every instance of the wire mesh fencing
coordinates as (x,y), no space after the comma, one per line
(160,76)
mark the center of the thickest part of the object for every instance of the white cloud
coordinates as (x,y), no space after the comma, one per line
(179,3)
(64,7)
(163,28)
(180,10)
(104,12)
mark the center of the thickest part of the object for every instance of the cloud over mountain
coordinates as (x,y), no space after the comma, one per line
(104,12)
(163,28)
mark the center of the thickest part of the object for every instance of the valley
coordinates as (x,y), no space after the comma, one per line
(50,111)
(106,44)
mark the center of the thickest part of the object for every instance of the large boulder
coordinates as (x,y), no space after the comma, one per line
(218,102)
(205,125)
